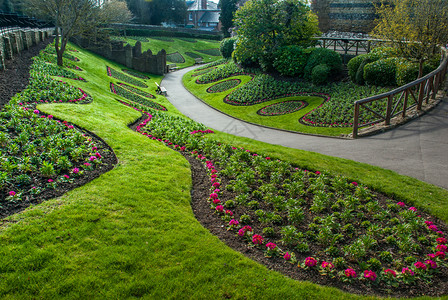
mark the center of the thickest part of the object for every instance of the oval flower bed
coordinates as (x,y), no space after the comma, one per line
(137,91)
(211,52)
(123,77)
(224,86)
(193,55)
(135,74)
(282,108)
(118,90)
(326,228)
(175,58)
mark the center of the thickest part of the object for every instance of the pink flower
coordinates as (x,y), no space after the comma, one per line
(233,222)
(75,170)
(35,111)
(216,190)
(317,173)
(50,180)
(257,239)
(431,263)
(216,201)
(271,246)
(247,228)
(216,184)
(407,272)
(98,155)
(432,227)
(431,255)
(440,233)
(241,232)
(412,208)
(428,223)
(440,254)
(401,204)
(287,256)
(92,158)
(71,126)
(441,241)
(213,196)
(390,272)
(229,212)
(420,265)
(50,117)
(66,176)
(219,208)
(94,148)
(310,261)
(368,274)
(355,183)
(87,164)
(442,248)
(350,273)
(12,193)
(268,158)
(326,264)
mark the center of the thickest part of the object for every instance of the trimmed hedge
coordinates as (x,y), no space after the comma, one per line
(321,56)
(320,74)
(291,60)
(382,72)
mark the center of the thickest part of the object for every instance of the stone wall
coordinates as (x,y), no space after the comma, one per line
(131,57)
(345,15)
(12,43)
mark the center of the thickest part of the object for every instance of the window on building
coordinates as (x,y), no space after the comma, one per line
(190,17)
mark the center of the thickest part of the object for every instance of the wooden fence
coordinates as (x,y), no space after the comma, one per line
(350,46)
(401,100)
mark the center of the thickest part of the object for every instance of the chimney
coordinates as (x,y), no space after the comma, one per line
(203,4)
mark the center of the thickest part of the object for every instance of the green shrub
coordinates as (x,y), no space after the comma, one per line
(320,74)
(290,60)
(381,72)
(353,65)
(406,72)
(226,47)
(321,56)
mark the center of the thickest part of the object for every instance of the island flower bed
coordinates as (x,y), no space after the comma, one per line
(118,90)
(218,62)
(324,228)
(203,71)
(193,55)
(224,86)
(282,108)
(223,72)
(43,67)
(137,91)
(175,58)
(211,52)
(123,77)
(135,74)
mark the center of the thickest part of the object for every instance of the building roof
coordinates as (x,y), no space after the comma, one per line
(210,17)
(196,5)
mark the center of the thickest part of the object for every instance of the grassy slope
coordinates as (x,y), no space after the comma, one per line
(181,46)
(249,113)
(132,232)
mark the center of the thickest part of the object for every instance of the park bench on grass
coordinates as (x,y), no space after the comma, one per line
(160,89)
(172,67)
(198,61)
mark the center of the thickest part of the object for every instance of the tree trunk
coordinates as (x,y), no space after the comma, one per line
(61,50)
(420,68)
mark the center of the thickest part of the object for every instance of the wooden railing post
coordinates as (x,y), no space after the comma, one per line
(389,109)
(405,103)
(421,94)
(355,121)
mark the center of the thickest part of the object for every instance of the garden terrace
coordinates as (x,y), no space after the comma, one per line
(132,231)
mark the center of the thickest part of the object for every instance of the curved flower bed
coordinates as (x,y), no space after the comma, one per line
(162,38)
(203,71)
(282,108)
(139,38)
(225,71)
(211,52)
(218,62)
(118,90)
(324,225)
(135,74)
(224,86)
(175,58)
(50,69)
(193,55)
(137,91)
(326,97)
(123,77)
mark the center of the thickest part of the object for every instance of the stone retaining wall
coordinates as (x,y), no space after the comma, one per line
(12,43)
(345,15)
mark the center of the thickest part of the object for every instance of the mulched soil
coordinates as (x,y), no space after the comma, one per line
(201,208)
(14,79)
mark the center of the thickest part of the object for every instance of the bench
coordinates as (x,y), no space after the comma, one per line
(172,67)
(160,89)
(198,61)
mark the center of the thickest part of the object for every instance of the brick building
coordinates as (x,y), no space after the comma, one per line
(203,15)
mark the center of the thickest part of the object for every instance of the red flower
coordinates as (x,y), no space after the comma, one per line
(391,272)
(310,262)
(257,239)
(441,241)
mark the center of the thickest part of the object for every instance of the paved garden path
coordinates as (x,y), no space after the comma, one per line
(418,149)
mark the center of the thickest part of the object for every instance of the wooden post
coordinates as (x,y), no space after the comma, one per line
(405,103)
(389,109)
(324,43)
(368,46)
(421,94)
(355,121)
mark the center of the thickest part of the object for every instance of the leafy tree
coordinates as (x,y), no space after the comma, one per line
(168,11)
(263,26)
(415,27)
(75,17)
(228,8)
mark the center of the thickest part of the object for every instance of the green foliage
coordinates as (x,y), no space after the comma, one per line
(263,26)
(175,58)
(320,56)
(381,72)
(227,46)
(228,8)
(320,74)
(291,60)
(353,65)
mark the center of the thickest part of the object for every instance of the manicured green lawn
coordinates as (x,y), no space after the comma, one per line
(132,233)
(249,113)
(182,46)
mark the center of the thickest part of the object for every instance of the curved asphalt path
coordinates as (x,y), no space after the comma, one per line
(418,149)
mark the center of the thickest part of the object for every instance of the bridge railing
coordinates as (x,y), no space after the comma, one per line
(11,21)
